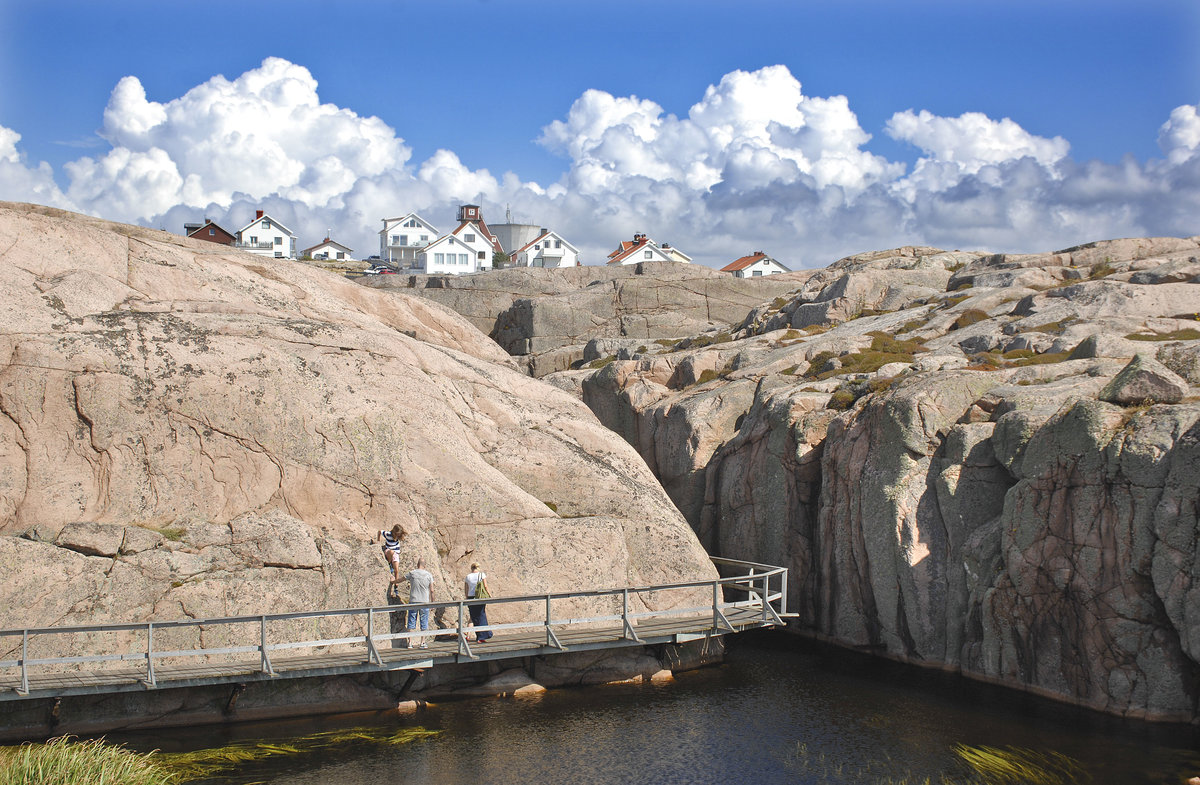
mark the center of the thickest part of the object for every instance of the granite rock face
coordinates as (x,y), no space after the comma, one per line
(998,475)
(187,430)
(547,316)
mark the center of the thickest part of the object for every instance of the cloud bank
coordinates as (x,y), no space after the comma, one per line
(755,164)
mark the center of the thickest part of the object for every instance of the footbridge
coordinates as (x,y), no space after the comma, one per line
(100,659)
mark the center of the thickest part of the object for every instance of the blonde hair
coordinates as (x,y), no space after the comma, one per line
(474,566)
(397,531)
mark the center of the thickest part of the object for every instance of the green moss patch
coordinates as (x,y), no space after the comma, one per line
(1186,334)
(969,317)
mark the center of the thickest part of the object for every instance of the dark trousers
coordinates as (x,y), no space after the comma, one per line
(478,613)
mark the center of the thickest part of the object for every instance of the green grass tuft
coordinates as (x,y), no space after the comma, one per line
(62,761)
(1019,766)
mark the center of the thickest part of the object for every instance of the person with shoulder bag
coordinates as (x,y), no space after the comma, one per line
(476,588)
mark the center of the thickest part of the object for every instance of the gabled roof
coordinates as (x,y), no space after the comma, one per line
(671,250)
(744,262)
(627,249)
(388,221)
(325,242)
(622,248)
(751,259)
(207,223)
(541,237)
(265,217)
(480,227)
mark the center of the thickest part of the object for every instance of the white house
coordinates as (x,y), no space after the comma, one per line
(266,237)
(754,265)
(329,249)
(643,249)
(467,249)
(548,249)
(402,238)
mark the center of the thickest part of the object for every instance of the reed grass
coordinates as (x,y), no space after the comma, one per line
(62,761)
(222,761)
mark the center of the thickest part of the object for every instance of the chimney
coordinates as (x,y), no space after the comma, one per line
(257,214)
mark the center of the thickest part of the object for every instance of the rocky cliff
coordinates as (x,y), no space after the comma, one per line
(187,430)
(980,462)
(546,317)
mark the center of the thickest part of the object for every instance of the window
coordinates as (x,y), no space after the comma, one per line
(648,254)
(424,238)
(279,254)
(468,238)
(403,240)
(558,243)
(536,247)
(465,259)
(211,231)
(341,255)
(482,255)
(757,273)
(279,241)
(253,240)
(439,258)
(266,223)
(395,239)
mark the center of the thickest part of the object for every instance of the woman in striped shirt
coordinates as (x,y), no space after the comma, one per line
(391,549)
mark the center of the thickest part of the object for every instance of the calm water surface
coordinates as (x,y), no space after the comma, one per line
(778,711)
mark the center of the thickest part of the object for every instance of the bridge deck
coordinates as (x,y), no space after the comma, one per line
(44,683)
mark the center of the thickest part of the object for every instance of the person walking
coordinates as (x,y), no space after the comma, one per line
(420,590)
(476,587)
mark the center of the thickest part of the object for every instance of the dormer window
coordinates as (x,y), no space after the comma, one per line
(470,238)
(266,223)
(648,254)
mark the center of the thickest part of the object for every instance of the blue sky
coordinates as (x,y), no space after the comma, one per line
(1087,88)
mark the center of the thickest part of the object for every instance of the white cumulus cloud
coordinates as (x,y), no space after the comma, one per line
(22,183)
(754,164)
(264,133)
(1179,136)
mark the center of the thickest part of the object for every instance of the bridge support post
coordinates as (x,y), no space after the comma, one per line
(24,662)
(628,633)
(372,652)
(551,638)
(150,682)
(463,648)
(264,657)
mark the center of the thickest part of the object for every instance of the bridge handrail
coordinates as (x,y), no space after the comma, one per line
(733,581)
(756,582)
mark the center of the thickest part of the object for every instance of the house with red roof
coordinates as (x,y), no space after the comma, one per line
(643,249)
(754,265)
(209,232)
(467,249)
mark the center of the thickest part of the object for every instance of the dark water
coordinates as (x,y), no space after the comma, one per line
(779,711)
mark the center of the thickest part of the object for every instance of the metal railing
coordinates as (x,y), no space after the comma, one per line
(762,586)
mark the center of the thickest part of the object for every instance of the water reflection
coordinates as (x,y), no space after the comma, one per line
(779,711)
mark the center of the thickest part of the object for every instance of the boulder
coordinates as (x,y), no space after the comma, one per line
(1145,380)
